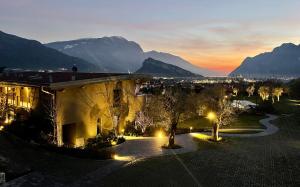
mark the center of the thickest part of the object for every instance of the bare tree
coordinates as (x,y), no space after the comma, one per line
(3,104)
(250,90)
(143,121)
(277,92)
(264,92)
(49,107)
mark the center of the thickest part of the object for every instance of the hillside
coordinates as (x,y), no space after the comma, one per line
(117,54)
(113,54)
(17,52)
(158,68)
(283,61)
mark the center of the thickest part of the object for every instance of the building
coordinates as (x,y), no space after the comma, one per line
(81,105)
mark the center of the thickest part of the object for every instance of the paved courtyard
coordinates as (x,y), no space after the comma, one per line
(261,161)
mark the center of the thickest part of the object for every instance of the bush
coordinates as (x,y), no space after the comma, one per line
(102,141)
(36,127)
(130,130)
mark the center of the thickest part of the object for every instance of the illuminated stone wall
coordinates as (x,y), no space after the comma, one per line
(90,106)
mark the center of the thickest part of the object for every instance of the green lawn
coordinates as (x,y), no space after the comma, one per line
(246,121)
(287,106)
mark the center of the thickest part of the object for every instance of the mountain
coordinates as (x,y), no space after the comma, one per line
(158,68)
(282,61)
(116,54)
(178,61)
(17,52)
(113,54)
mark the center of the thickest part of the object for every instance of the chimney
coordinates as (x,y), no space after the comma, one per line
(74,70)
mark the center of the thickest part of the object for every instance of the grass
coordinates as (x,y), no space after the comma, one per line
(246,121)
(243,121)
(286,106)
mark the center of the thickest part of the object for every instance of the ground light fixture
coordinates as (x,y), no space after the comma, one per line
(159,134)
(122,158)
(113,143)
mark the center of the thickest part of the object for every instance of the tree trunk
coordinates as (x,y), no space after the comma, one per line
(278,98)
(215,132)
(172,135)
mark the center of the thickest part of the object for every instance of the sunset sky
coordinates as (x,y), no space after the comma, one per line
(215,34)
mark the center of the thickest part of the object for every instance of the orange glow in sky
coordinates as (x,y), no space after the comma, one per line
(212,34)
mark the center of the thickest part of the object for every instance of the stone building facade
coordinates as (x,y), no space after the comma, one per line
(82,104)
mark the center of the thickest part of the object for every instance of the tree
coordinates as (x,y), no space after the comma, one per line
(3,104)
(264,92)
(143,121)
(49,110)
(235,91)
(174,103)
(277,92)
(166,109)
(218,109)
(250,90)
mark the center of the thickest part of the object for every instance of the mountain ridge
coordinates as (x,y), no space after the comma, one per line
(100,55)
(283,60)
(18,52)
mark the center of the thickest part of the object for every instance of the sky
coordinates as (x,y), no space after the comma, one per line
(214,34)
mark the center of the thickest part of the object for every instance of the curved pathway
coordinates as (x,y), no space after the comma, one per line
(270,128)
(143,147)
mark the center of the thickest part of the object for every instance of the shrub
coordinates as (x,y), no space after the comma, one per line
(130,130)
